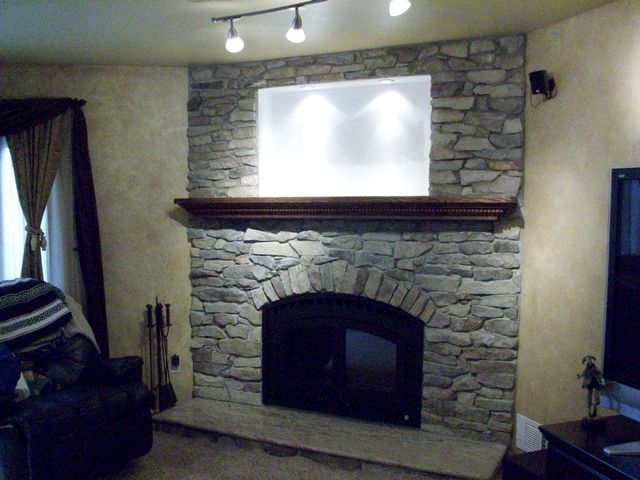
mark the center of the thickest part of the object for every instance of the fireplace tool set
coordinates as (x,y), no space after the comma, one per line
(163,394)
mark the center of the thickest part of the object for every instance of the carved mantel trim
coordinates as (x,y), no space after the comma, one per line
(471,207)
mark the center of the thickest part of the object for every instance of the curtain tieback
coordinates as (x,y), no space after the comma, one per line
(37,238)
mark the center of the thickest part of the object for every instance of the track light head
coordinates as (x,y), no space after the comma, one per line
(398,7)
(234,43)
(296,33)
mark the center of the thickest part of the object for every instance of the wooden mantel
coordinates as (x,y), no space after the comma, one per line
(469,207)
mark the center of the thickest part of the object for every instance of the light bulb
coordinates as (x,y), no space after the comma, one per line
(398,7)
(296,33)
(234,43)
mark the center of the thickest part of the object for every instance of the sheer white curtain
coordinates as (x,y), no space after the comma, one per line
(60,263)
(12,221)
(12,233)
(63,264)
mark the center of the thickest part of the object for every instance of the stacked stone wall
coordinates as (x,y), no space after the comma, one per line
(477,90)
(461,279)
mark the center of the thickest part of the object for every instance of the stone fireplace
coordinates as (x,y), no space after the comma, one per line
(460,279)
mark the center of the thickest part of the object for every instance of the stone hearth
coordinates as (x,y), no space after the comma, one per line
(338,441)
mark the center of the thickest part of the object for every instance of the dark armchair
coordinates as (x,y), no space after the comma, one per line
(95,414)
(81,431)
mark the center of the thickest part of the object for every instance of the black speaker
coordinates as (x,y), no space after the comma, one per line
(542,83)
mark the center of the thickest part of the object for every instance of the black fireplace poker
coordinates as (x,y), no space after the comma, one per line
(163,394)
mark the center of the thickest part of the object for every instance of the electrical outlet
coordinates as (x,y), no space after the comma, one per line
(174,365)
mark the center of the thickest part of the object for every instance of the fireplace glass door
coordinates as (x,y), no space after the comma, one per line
(344,355)
(309,360)
(370,362)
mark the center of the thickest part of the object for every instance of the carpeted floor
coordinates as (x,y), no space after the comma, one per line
(200,457)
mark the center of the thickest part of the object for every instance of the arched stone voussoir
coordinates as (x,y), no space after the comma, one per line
(339,276)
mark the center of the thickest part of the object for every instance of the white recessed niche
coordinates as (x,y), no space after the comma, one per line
(352,138)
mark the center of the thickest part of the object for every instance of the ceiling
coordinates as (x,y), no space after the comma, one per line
(180,32)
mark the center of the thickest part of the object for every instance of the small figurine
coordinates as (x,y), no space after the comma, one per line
(592,380)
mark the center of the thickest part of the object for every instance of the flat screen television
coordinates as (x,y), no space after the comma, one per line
(621,366)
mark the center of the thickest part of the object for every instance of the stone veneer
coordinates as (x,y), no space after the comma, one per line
(476,123)
(461,278)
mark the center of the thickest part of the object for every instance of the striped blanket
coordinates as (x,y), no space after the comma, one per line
(29,309)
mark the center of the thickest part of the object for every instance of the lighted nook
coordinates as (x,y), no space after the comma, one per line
(354,138)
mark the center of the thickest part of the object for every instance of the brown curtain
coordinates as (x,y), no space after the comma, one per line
(36,153)
(88,231)
(24,114)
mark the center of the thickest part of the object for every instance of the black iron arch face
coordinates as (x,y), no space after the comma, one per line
(345,355)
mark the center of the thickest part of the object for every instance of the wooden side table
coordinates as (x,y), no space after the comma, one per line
(575,454)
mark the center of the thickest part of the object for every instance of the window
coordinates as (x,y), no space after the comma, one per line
(12,221)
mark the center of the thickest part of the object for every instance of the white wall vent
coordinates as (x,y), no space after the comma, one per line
(528,437)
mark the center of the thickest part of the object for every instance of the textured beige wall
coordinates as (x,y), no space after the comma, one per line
(572,142)
(137,122)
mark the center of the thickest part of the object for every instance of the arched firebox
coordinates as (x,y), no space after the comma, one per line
(345,355)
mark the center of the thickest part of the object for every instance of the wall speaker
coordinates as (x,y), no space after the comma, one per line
(542,83)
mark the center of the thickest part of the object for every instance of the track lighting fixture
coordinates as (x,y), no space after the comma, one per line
(234,43)
(295,33)
(398,7)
